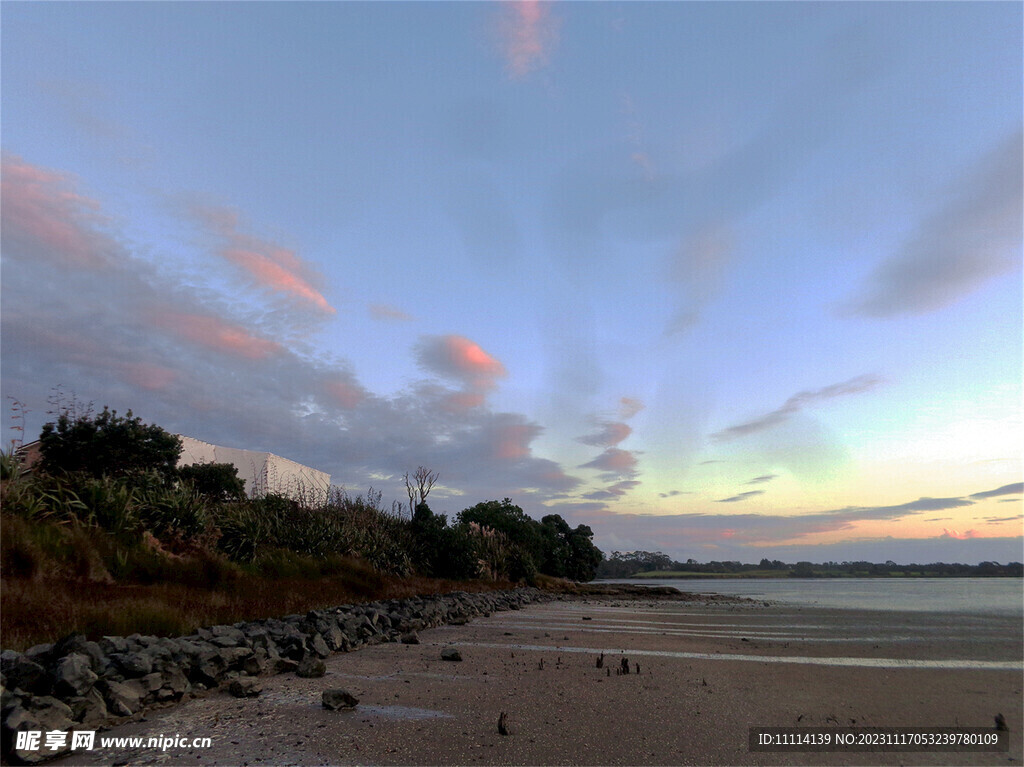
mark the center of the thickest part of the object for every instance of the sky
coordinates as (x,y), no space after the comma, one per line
(729,281)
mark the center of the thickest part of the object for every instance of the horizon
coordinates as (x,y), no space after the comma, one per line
(730,281)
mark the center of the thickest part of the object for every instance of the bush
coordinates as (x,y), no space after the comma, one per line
(215,481)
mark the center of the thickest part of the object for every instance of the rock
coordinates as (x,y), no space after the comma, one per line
(43,714)
(25,674)
(320,646)
(245,687)
(1001,723)
(503,724)
(411,638)
(282,665)
(121,698)
(74,676)
(133,664)
(338,698)
(450,653)
(90,710)
(311,667)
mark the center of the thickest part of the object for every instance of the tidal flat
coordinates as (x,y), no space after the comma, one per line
(700,675)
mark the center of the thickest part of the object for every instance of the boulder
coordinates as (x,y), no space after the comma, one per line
(74,676)
(451,654)
(338,698)
(311,667)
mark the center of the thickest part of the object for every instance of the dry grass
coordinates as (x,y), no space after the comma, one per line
(45,609)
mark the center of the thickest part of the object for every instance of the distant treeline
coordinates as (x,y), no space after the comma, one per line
(622,565)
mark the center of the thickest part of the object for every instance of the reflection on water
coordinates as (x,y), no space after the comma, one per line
(961,595)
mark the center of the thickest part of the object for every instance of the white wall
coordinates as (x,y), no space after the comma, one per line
(262,472)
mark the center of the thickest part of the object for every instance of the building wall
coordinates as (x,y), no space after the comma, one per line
(262,472)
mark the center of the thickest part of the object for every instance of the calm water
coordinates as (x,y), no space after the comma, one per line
(1004,596)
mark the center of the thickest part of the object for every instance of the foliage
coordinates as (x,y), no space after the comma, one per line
(216,482)
(107,444)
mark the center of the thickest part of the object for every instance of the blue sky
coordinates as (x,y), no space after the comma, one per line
(725,280)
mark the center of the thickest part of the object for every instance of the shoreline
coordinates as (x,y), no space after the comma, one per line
(709,670)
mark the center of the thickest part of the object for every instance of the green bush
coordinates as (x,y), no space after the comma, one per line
(215,481)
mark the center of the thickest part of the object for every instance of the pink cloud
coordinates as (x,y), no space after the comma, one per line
(529,33)
(149,376)
(457,357)
(513,441)
(345,393)
(217,334)
(946,533)
(614,461)
(276,269)
(629,407)
(41,217)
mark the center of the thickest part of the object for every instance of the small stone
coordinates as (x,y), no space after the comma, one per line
(450,653)
(337,698)
(411,638)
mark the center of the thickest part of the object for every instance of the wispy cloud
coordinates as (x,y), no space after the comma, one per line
(275,269)
(217,334)
(529,33)
(1012,489)
(741,496)
(796,403)
(629,407)
(968,241)
(609,434)
(696,269)
(42,217)
(762,479)
(389,313)
(614,462)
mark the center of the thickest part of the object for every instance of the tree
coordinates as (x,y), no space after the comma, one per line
(419,487)
(216,481)
(107,444)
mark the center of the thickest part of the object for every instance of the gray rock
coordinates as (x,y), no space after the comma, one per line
(90,710)
(338,698)
(133,664)
(121,698)
(411,638)
(319,646)
(311,667)
(25,674)
(245,687)
(74,676)
(42,714)
(450,653)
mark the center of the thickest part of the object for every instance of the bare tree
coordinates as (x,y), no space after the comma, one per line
(418,487)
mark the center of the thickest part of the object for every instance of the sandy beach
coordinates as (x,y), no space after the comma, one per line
(707,673)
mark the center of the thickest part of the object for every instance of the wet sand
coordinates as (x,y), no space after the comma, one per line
(708,672)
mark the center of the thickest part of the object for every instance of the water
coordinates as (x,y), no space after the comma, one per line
(1002,596)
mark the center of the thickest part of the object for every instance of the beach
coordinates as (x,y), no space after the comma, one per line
(700,675)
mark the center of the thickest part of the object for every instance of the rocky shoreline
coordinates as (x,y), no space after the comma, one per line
(78,684)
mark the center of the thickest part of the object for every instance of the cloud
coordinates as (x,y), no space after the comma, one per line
(41,217)
(958,535)
(763,478)
(696,269)
(971,239)
(529,33)
(610,434)
(629,407)
(673,493)
(188,356)
(279,271)
(614,462)
(217,334)
(741,496)
(796,403)
(389,313)
(1012,489)
(457,358)
(997,520)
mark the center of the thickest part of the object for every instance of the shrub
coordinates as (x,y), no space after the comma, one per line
(214,481)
